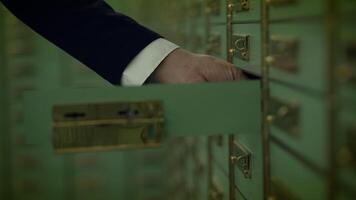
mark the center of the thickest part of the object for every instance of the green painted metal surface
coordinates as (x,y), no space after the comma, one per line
(297,9)
(253,14)
(296,178)
(218,50)
(255,61)
(312,124)
(200,109)
(251,188)
(219,17)
(311,54)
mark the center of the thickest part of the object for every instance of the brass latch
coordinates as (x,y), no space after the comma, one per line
(280,191)
(242,5)
(243,159)
(285,116)
(107,126)
(283,53)
(241,46)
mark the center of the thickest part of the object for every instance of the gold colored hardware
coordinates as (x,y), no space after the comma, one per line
(214,44)
(88,127)
(283,54)
(243,159)
(242,5)
(241,46)
(280,191)
(214,7)
(216,193)
(281,2)
(285,116)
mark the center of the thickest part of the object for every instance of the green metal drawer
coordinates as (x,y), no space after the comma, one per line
(290,179)
(216,43)
(247,47)
(345,58)
(299,121)
(183,104)
(297,54)
(216,10)
(247,11)
(291,9)
(249,184)
(346,151)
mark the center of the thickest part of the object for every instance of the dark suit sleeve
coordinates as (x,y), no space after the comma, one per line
(89,30)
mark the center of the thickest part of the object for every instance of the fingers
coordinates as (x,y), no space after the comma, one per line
(216,70)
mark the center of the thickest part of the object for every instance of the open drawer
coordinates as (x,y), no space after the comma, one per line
(134,117)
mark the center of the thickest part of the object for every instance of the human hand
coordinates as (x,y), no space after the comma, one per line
(184,67)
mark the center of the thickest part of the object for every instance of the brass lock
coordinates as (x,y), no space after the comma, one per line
(214,44)
(285,116)
(243,159)
(279,191)
(283,53)
(93,127)
(242,5)
(214,7)
(241,45)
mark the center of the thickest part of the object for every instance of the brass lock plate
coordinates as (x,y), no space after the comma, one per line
(242,5)
(242,158)
(214,7)
(107,126)
(280,191)
(241,44)
(214,44)
(283,54)
(285,116)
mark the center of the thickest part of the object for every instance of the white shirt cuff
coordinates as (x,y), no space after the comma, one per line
(142,66)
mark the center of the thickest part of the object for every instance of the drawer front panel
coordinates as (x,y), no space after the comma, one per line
(292,180)
(220,152)
(300,121)
(292,9)
(216,10)
(251,187)
(346,146)
(346,63)
(216,43)
(247,11)
(297,54)
(247,46)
